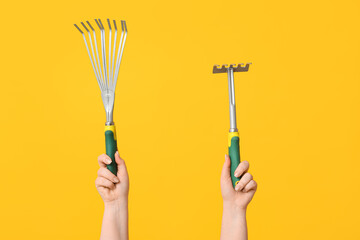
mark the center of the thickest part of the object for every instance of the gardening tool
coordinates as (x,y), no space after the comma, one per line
(106,71)
(233,139)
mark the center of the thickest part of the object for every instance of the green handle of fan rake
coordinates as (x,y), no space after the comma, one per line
(234,154)
(111,148)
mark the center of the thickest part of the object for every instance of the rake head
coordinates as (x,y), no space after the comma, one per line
(106,66)
(236,68)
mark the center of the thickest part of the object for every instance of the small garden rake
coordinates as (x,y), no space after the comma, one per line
(233,137)
(106,71)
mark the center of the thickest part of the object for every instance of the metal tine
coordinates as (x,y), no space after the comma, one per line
(121,46)
(103,50)
(97,55)
(94,59)
(78,29)
(104,54)
(87,48)
(102,64)
(113,58)
(109,60)
(84,26)
(98,23)
(106,70)
(241,67)
(118,53)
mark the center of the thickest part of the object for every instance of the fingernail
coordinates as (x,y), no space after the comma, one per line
(108,161)
(117,153)
(236,174)
(116,180)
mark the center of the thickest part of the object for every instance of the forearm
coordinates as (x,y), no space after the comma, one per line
(115,221)
(233,225)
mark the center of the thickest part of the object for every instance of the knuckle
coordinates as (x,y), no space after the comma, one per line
(246,164)
(240,186)
(251,185)
(101,181)
(242,183)
(248,175)
(243,166)
(108,174)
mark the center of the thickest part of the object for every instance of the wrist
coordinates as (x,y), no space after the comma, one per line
(116,204)
(233,209)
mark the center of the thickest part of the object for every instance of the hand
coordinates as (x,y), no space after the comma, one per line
(112,188)
(244,191)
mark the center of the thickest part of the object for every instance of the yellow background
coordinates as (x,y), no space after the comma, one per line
(298,115)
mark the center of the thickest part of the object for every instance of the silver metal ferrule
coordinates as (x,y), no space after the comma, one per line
(232,107)
(109,123)
(108,97)
(109,117)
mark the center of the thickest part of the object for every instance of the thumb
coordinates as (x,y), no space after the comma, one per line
(225,173)
(122,171)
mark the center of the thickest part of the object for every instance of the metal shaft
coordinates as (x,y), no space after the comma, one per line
(232,107)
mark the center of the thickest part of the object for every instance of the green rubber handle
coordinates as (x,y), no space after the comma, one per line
(234,154)
(111,148)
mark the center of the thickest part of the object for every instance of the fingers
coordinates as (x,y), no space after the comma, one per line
(241,169)
(103,182)
(105,173)
(104,159)
(122,171)
(225,173)
(252,185)
(245,179)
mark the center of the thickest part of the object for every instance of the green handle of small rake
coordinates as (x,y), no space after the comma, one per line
(234,154)
(111,147)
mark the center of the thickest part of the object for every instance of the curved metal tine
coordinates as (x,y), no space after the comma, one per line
(113,58)
(87,48)
(109,59)
(102,64)
(103,42)
(121,48)
(93,56)
(98,22)
(118,54)
(97,63)
(78,29)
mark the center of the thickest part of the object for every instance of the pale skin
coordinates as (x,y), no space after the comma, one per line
(114,191)
(235,201)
